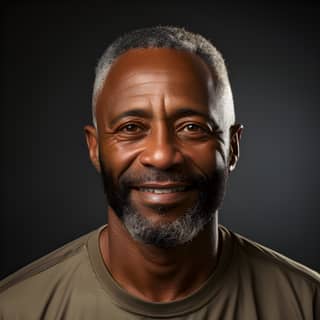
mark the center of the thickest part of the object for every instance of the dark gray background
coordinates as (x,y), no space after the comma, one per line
(51,194)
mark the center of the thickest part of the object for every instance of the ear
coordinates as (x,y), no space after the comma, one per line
(234,153)
(93,147)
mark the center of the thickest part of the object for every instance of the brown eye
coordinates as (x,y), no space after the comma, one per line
(193,127)
(131,128)
(131,131)
(193,131)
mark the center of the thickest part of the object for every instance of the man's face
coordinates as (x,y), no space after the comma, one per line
(161,150)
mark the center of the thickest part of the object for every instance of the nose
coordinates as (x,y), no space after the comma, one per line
(161,150)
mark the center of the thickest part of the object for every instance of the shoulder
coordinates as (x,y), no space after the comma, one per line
(46,263)
(269,265)
(35,283)
(274,279)
(261,277)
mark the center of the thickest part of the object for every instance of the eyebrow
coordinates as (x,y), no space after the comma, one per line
(131,113)
(189,112)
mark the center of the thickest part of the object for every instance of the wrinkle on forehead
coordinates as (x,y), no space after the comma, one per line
(147,73)
(145,83)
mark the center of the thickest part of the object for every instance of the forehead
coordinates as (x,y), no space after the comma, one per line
(158,60)
(157,71)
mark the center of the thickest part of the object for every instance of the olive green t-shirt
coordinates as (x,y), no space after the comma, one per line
(249,282)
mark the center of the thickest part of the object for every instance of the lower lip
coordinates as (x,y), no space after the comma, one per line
(152,198)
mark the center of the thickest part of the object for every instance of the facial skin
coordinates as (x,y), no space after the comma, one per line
(158,128)
(161,146)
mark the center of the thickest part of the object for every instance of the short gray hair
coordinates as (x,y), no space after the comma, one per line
(165,37)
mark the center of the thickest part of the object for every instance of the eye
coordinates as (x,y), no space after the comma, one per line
(131,128)
(195,128)
(192,128)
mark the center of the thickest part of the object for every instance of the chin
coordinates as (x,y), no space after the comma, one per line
(165,229)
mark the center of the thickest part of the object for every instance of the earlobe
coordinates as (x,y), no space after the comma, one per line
(93,146)
(234,153)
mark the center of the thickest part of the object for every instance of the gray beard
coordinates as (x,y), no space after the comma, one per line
(211,192)
(166,235)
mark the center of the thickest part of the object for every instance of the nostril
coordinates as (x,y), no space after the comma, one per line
(162,157)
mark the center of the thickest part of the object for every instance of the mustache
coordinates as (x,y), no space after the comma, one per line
(154,175)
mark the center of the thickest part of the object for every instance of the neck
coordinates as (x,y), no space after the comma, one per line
(158,274)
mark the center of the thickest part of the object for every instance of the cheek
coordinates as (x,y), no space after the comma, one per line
(117,157)
(207,156)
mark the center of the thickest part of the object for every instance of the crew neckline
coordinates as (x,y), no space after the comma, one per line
(138,306)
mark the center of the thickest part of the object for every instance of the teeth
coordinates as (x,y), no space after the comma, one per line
(162,190)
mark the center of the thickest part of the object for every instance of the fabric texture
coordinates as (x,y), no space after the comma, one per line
(249,282)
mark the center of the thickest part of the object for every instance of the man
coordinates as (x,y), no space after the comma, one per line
(165,141)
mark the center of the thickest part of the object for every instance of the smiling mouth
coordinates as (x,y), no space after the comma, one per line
(167,195)
(164,190)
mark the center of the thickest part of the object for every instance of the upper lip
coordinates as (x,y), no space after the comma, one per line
(162,185)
